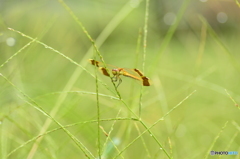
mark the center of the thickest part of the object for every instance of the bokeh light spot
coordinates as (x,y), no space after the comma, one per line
(10,41)
(222,17)
(169,18)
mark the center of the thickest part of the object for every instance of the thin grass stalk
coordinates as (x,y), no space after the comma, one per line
(90,38)
(235,103)
(144,52)
(139,40)
(145,34)
(221,44)
(56,108)
(237,3)
(52,49)
(98,114)
(151,134)
(20,50)
(109,138)
(231,141)
(102,37)
(214,141)
(170,147)
(31,102)
(143,141)
(53,112)
(169,34)
(80,92)
(201,47)
(66,126)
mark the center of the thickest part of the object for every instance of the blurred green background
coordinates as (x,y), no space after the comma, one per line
(191,45)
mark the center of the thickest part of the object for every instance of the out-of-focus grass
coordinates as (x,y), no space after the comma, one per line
(190,61)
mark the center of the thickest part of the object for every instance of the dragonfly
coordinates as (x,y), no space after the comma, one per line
(118,72)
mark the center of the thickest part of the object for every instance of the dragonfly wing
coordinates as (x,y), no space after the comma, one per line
(104,71)
(145,81)
(131,76)
(98,64)
(94,62)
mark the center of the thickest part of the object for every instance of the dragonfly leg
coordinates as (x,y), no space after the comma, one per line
(114,78)
(120,81)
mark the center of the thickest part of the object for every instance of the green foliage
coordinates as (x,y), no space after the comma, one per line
(54,104)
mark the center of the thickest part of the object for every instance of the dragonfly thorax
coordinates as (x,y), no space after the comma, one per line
(117,71)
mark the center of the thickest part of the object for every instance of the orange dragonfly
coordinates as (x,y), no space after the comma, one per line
(117,72)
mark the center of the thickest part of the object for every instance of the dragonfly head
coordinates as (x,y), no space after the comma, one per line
(115,71)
